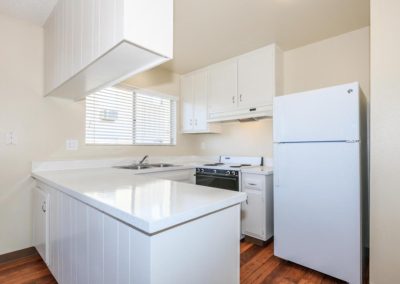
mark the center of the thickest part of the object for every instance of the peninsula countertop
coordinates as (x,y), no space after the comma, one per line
(148,204)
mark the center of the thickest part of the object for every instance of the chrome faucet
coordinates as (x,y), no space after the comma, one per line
(144,159)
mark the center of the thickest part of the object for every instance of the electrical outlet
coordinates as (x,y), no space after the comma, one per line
(71,145)
(11,138)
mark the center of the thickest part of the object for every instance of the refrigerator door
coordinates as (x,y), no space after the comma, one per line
(317,213)
(330,114)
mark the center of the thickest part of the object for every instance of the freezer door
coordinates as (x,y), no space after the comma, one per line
(330,114)
(317,213)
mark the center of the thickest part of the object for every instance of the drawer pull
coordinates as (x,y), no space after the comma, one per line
(252,184)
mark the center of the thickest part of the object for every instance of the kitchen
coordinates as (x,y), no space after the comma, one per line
(41,136)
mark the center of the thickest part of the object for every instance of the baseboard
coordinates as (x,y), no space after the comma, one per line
(17,254)
(257,241)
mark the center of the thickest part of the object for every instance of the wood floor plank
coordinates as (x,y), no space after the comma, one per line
(258,266)
(245,246)
(26,270)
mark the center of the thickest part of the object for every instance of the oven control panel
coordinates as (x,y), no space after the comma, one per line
(219,172)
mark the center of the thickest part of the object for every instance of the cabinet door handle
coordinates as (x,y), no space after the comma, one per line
(44,206)
(252,184)
(195,122)
(191,122)
(247,201)
(233,99)
(240,97)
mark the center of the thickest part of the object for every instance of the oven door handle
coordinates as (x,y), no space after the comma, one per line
(216,176)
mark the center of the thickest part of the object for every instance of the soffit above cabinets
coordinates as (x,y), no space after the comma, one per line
(210,31)
(90,45)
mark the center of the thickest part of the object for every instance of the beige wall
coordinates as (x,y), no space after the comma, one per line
(385,142)
(43,124)
(337,60)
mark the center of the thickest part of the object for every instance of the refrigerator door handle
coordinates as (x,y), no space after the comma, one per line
(276,168)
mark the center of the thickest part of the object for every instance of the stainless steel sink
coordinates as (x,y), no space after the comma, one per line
(162,165)
(135,167)
(145,166)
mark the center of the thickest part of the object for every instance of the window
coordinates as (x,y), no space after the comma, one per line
(123,116)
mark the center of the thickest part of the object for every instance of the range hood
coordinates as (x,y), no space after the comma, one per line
(248,114)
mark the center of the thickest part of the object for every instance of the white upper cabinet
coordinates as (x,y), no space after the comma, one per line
(256,78)
(222,80)
(91,44)
(244,87)
(194,103)
(187,103)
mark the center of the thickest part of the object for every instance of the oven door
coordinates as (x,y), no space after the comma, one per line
(218,181)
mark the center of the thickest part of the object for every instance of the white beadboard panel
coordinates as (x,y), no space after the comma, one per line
(82,250)
(66,240)
(124,247)
(89,246)
(87,32)
(74,240)
(52,229)
(68,38)
(119,21)
(110,249)
(96,29)
(139,257)
(77,6)
(96,246)
(108,21)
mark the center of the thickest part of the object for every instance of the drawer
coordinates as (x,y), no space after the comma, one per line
(253,181)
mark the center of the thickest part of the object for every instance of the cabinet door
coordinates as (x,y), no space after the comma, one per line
(40,222)
(256,78)
(187,102)
(222,87)
(200,100)
(253,212)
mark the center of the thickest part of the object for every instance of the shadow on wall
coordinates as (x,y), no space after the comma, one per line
(15,207)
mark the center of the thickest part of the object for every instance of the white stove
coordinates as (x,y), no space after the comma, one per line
(226,172)
(234,163)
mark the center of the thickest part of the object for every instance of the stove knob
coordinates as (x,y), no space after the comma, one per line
(215,171)
(228,173)
(202,170)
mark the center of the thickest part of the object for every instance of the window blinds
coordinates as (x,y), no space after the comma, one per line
(124,117)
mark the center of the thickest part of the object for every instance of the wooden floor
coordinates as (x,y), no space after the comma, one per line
(27,270)
(258,265)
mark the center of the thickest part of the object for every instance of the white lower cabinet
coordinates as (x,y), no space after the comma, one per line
(40,235)
(257,210)
(89,246)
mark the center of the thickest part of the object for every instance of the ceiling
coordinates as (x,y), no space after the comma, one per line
(208,31)
(33,11)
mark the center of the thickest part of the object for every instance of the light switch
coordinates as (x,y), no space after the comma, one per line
(71,145)
(11,138)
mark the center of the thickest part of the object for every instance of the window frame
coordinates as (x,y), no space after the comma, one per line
(133,89)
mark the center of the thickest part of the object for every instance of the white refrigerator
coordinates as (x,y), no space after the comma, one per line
(320,179)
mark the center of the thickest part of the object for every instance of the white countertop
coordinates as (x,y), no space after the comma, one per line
(148,204)
(258,170)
